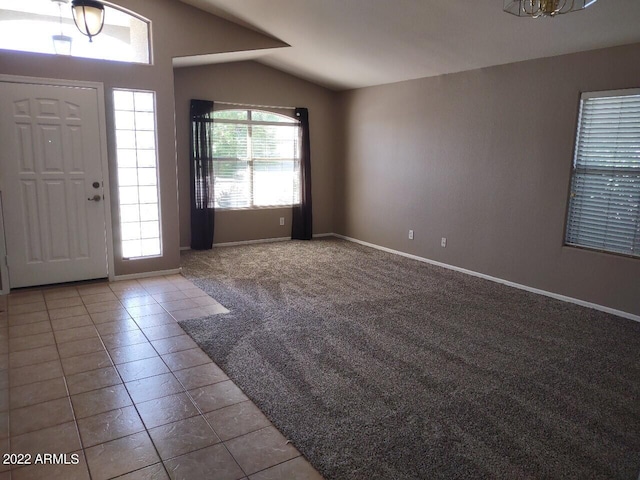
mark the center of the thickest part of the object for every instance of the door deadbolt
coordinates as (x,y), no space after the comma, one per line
(95,198)
(96,184)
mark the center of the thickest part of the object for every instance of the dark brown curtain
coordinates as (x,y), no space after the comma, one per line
(302,222)
(202,199)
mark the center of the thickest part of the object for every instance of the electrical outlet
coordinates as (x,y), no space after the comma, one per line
(281,220)
(410,234)
(443,242)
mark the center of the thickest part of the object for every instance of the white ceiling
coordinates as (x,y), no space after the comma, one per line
(346,44)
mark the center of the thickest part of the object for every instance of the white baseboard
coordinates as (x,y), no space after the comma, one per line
(322,235)
(158,273)
(182,249)
(251,242)
(557,296)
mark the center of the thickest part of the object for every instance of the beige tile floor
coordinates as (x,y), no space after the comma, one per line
(104,371)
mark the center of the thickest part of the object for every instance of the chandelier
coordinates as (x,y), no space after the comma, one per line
(544,8)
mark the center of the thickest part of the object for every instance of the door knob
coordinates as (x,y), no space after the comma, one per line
(95,198)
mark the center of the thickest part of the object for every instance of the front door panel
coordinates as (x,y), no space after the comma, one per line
(49,160)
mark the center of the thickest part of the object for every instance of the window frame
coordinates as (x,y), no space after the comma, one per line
(570,194)
(69,26)
(157,169)
(251,160)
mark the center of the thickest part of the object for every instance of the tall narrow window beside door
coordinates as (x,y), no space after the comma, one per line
(135,122)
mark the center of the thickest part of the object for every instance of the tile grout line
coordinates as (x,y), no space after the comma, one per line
(271,424)
(191,399)
(134,403)
(9,409)
(134,406)
(53,332)
(200,413)
(73,412)
(64,378)
(113,364)
(75,418)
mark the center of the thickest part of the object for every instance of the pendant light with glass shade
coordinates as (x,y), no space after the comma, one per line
(62,42)
(88,16)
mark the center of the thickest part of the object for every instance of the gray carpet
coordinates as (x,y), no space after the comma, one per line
(380,367)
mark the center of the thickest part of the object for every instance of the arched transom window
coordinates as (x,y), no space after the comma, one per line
(46,26)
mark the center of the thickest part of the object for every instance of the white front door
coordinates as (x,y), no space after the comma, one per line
(51,181)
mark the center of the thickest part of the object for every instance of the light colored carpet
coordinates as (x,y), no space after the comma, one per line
(380,367)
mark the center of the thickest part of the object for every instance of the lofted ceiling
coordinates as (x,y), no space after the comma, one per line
(345,44)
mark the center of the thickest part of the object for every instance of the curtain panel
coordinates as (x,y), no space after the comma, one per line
(302,221)
(202,192)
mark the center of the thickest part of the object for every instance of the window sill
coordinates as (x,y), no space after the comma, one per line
(244,209)
(144,257)
(600,252)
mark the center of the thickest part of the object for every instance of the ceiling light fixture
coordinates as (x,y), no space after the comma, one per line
(544,8)
(89,17)
(62,42)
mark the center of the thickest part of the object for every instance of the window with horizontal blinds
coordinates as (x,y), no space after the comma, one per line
(604,205)
(256,159)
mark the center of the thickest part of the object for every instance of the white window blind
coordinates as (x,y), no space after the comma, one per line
(604,206)
(256,159)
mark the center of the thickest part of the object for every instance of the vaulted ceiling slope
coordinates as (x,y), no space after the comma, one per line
(345,44)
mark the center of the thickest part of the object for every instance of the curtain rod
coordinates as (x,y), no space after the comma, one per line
(253,106)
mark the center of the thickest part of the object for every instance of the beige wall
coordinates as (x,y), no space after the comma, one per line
(253,83)
(483,158)
(178,30)
(455,156)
